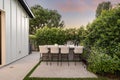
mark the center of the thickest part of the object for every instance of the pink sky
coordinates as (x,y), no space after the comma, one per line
(74,12)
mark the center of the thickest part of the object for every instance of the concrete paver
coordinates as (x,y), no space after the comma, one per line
(19,69)
(62,71)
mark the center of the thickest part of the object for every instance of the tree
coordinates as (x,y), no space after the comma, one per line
(44,17)
(103,6)
(104,32)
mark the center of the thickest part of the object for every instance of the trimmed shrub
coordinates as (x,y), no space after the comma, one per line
(50,36)
(101,63)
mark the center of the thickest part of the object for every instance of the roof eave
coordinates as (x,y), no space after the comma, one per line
(27,9)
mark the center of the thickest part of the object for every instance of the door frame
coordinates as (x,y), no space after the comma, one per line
(0,39)
(3,38)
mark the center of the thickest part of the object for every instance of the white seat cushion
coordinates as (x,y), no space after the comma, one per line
(43,49)
(78,49)
(54,49)
(64,49)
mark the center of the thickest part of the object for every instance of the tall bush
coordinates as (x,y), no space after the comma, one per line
(104,32)
(104,42)
(101,63)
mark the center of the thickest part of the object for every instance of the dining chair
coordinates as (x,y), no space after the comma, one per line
(78,50)
(44,53)
(64,52)
(54,52)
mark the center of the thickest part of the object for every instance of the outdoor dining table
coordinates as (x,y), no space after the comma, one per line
(71,48)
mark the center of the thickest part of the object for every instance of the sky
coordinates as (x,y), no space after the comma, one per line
(75,13)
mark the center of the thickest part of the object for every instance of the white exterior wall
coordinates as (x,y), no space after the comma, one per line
(1,4)
(16,30)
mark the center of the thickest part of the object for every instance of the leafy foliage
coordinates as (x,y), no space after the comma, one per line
(49,36)
(101,38)
(104,31)
(44,17)
(103,6)
(32,37)
(104,42)
(100,62)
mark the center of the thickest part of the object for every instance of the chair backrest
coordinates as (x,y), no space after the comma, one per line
(70,42)
(78,49)
(43,49)
(64,49)
(54,49)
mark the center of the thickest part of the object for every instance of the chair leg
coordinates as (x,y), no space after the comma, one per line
(79,57)
(40,57)
(46,62)
(51,59)
(47,58)
(57,59)
(68,59)
(74,60)
(61,59)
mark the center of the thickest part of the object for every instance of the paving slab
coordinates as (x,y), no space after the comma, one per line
(62,71)
(19,69)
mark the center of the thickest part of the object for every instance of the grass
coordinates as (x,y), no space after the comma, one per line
(67,79)
(36,78)
(27,76)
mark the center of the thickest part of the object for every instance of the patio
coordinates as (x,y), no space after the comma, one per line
(62,71)
(19,69)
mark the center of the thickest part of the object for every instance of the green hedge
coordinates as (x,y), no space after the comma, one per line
(104,36)
(50,36)
(100,62)
(105,31)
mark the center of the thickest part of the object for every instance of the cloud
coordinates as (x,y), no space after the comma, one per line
(80,5)
(73,6)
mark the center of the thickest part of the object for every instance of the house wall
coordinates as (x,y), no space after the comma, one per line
(16,30)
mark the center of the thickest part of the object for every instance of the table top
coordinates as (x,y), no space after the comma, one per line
(70,46)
